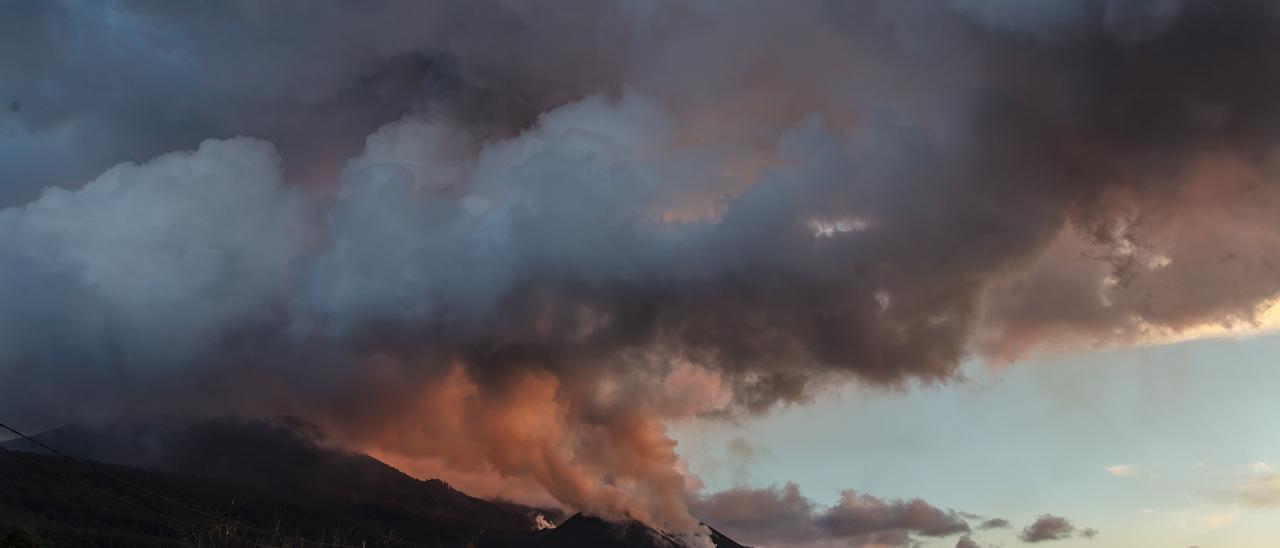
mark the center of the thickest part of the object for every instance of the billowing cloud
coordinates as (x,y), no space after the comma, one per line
(143,78)
(617,216)
(784,516)
(966,542)
(148,265)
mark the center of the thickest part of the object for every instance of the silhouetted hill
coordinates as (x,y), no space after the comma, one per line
(234,482)
(281,454)
(263,474)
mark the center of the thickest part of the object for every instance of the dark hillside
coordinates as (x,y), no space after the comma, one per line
(69,504)
(234,482)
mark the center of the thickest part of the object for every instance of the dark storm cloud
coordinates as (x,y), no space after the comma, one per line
(720,207)
(116,80)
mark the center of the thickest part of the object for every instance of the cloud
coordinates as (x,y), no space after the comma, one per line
(994,523)
(144,78)
(1216,517)
(966,542)
(1258,467)
(1261,492)
(1120,470)
(1050,527)
(1202,517)
(1256,487)
(777,514)
(785,516)
(857,514)
(149,264)
(618,216)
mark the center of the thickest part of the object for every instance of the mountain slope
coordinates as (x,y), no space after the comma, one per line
(263,473)
(722,541)
(228,482)
(66,503)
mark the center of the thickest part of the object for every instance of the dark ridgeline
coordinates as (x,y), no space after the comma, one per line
(232,482)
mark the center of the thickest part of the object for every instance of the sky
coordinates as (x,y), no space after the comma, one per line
(1144,444)
(821,273)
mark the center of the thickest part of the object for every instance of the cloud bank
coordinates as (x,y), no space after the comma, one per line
(547,247)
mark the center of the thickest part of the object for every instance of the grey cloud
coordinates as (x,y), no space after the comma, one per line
(141,268)
(687,286)
(1124,20)
(142,77)
(1051,527)
(858,514)
(784,515)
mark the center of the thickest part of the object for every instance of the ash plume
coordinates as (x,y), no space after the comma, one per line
(544,248)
